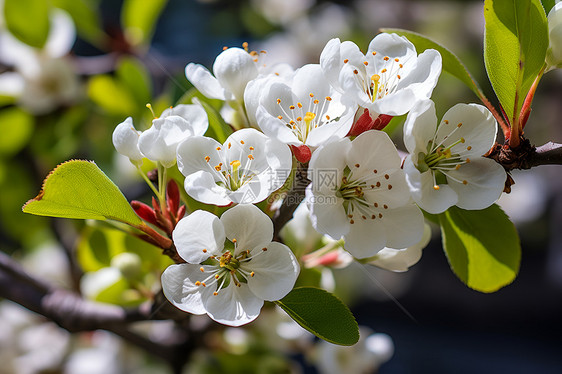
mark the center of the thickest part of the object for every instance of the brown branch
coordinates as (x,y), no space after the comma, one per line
(292,200)
(75,314)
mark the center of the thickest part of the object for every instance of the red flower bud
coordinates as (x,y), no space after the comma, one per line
(144,211)
(172,197)
(365,122)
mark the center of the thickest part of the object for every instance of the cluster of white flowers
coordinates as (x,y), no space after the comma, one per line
(361,192)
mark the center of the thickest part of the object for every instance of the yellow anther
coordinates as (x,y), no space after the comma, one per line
(398,76)
(235,164)
(218,168)
(299,105)
(251,148)
(252,274)
(197,283)
(355,71)
(204,250)
(446,122)
(462,140)
(457,167)
(250,157)
(315,101)
(396,59)
(328,98)
(383,71)
(327,117)
(292,107)
(229,145)
(224,48)
(386,58)
(345,61)
(311,94)
(202,270)
(280,117)
(375,77)
(436,188)
(374,53)
(218,148)
(460,124)
(245,46)
(278,101)
(365,63)
(207,158)
(400,66)
(465,182)
(299,119)
(469,148)
(309,116)
(241,142)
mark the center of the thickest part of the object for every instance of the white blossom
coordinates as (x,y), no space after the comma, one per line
(303,110)
(233,281)
(445,166)
(389,79)
(359,192)
(247,168)
(159,143)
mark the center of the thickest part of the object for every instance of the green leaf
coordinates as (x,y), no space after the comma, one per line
(451,63)
(548,5)
(16,127)
(515,44)
(28,20)
(135,77)
(139,17)
(79,189)
(482,247)
(112,95)
(322,314)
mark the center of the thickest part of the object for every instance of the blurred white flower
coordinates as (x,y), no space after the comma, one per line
(42,79)
(282,12)
(233,283)
(372,350)
(445,166)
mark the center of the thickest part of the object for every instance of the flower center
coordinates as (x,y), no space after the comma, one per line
(234,174)
(357,194)
(302,119)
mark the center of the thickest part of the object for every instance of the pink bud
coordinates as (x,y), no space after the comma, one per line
(144,211)
(302,153)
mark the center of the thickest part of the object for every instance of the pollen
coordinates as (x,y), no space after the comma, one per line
(460,124)
(467,160)
(316,101)
(462,140)
(327,117)
(207,158)
(446,122)
(245,46)
(252,274)
(396,59)
(386,176)
(218,168)
(357,165)
(457,167)
(250,157)
(375,77)
(197,283)
(241,142)
(365,63)
(328,98)
(363,217)
(204,250)
(311,94)
(390,186)
(215,293)
(217,276)
(218,148)
(376,205)
(355,71)
(398,76)
(373,216)
(468,148)
(400,66)
(234,240)
(264,249)
(465,182)
(202,269)
(375,171)
(345,61)
(351,221)
(229,145)
(299,119)
(299,105)
(385,206)
(386,58)
(374,53)
(278,101)
(383,71)
(378,184)
(380,215)
(436,188)
(292,107)
(224,48)
(280,117)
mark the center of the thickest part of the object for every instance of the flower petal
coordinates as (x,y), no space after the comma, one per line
(365,238)
(485,183)
(234,68)
(233,306)
(420,127)
(273,127)
(204,81)
(178,285)
(202,187)
(126,140)
(251,227)
(404,226)
(421,187)
(274,271)
(326,167)
(327,214)
(192,156)
(400,260)
(192,113)
(198,236)
(478,129)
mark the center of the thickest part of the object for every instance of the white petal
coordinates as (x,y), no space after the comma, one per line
(404,226)
(423,78)
(251,227)
(485,183)
(192,153)
(274,127)
(204,81)
(332,130)
(365,238)
(202,187)
(243,143)
(327,214)
(326,166)
(275,271)
(478,128)
(62,34)
(234,68)
(192,113)
(331,62)
(11,84)
(394,104)
(309,79)
(393,46)
(126,140)
(233,306)
(400,260)
(420,127)
(198,236)
(421,187)
(372,150)
(178,285)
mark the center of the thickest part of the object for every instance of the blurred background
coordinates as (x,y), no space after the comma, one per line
(88,64)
